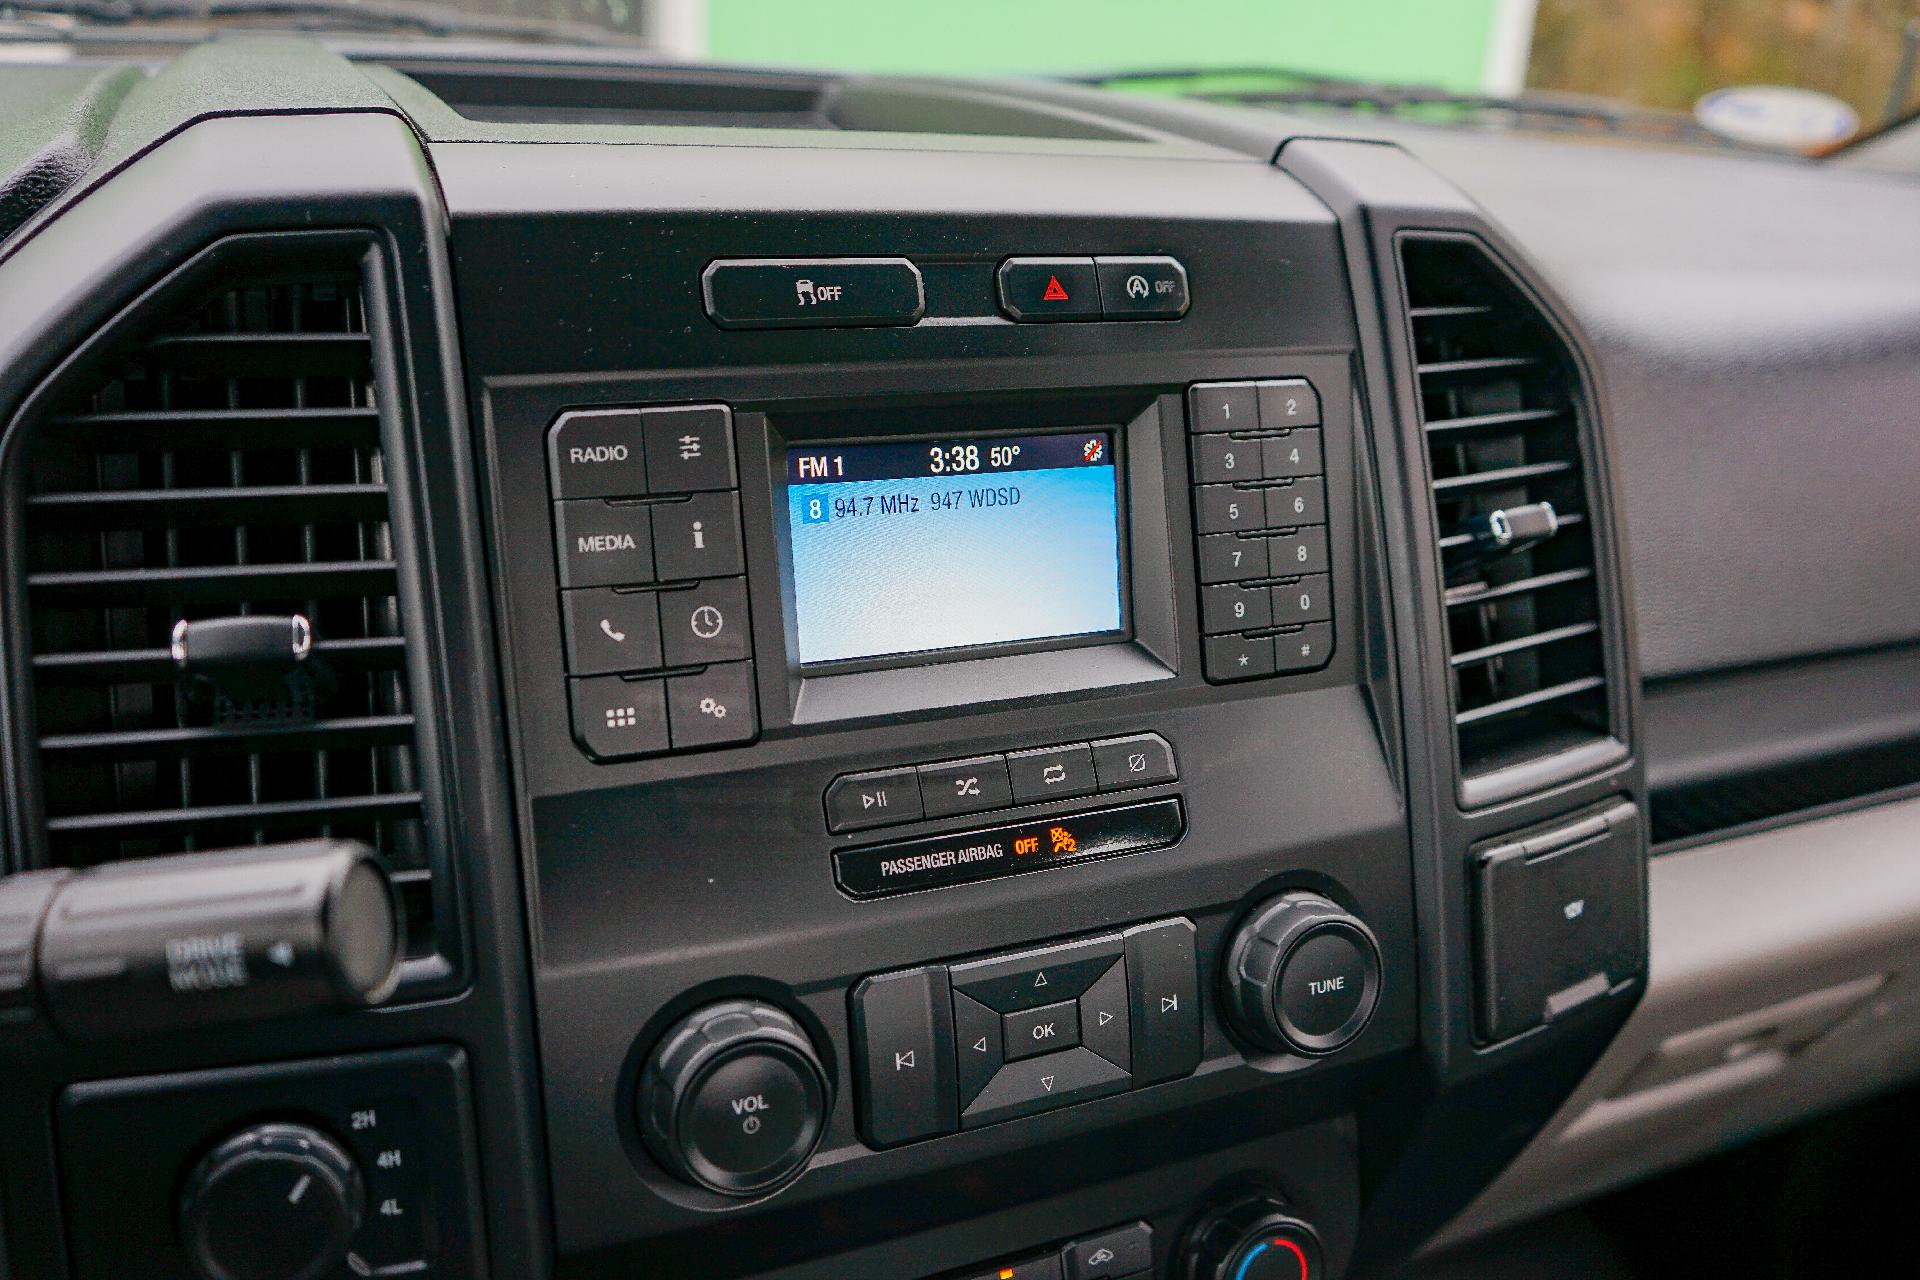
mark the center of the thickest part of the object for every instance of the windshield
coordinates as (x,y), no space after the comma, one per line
(1796,75)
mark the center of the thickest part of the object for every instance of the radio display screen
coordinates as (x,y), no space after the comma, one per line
(911,547)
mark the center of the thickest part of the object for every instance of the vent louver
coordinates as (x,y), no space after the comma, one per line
(229,463)
(1501,405)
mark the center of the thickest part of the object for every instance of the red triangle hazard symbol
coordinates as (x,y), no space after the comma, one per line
(1056,292)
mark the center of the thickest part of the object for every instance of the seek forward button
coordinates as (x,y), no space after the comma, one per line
(859,800)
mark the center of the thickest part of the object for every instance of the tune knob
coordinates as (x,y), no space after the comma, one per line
(734,1098)
(1251,1239)
(274,1202)
(1303,976)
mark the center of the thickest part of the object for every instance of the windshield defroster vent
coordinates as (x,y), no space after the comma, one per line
(218,655)
(1502,411)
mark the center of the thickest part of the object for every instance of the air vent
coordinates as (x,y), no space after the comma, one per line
(229,463)
(1501,404)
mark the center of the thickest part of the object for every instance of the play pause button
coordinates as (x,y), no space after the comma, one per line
(878,799)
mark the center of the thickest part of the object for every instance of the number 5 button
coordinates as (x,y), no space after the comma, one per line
(965,786)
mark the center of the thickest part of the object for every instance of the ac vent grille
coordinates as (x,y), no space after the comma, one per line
(1502,412)
(230,463)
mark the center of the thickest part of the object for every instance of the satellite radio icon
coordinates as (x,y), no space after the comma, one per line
(1093,450)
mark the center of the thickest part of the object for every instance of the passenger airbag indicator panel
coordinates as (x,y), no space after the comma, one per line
(933,862)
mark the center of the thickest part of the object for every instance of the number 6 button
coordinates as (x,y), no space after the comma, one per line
(965,786)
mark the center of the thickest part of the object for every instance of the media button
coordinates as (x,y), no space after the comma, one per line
(698,537)
(877,799)
(615,718)
(1139,760)
(597,453)
(712,707)
(1051,772)
(965,786)
(603,544)
(689,448)
(609,630)
(705,624)
(806,293)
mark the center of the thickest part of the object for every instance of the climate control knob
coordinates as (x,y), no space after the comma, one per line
(1251,1239)
(1302,976)
(734,1098)
(274,1202)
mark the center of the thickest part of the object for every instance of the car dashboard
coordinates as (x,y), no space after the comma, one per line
(616,669)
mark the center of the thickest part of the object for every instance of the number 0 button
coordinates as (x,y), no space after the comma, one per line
(965,786)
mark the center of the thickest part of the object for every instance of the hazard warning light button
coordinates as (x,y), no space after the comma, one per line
(1050,289)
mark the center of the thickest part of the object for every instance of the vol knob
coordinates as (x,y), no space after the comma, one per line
(734,1098)
(1251,1239)
(1303,976)
(274,1202)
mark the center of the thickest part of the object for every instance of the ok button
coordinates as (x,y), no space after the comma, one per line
(1032,1032)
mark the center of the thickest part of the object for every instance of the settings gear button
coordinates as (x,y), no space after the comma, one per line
(712,708)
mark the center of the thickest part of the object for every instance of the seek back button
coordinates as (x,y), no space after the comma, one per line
(860,800)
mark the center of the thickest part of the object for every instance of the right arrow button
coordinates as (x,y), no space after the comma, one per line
(1164,989)
(1105,1018)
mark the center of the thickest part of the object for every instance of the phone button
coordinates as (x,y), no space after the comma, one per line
(609,631)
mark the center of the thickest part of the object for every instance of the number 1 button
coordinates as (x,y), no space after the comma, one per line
(965,786)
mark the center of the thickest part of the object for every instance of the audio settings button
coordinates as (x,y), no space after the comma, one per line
(615,718)
(610,630)
(877,799)
(712,707)
(689,447)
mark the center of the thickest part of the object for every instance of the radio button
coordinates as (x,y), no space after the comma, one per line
(1289,402)
(689,448)
(965,786)
(1223,406)
(698,538)
(597,454)
(1221,508)
(1302,502)
(1298,553)
(1226,557)
(712,707)
(1295,454)
(859,800)
(1051,772)
(610,630)
(1140,760)
(706,624)
(1307,649)
(1231,608)
(1220,459)
(1032,1032)
(1239,657)
(615,718)
(603,544)
(1307,600)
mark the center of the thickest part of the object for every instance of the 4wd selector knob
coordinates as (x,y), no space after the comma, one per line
(1303,976)
(734,1098)
(274,1202)
(1251,1239)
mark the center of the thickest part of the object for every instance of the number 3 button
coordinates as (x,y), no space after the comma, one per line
(965,786)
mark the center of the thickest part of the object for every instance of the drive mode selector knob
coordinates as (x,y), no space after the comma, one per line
(734,1098)
(1251,1239)
(1303,976)
(274,1202)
